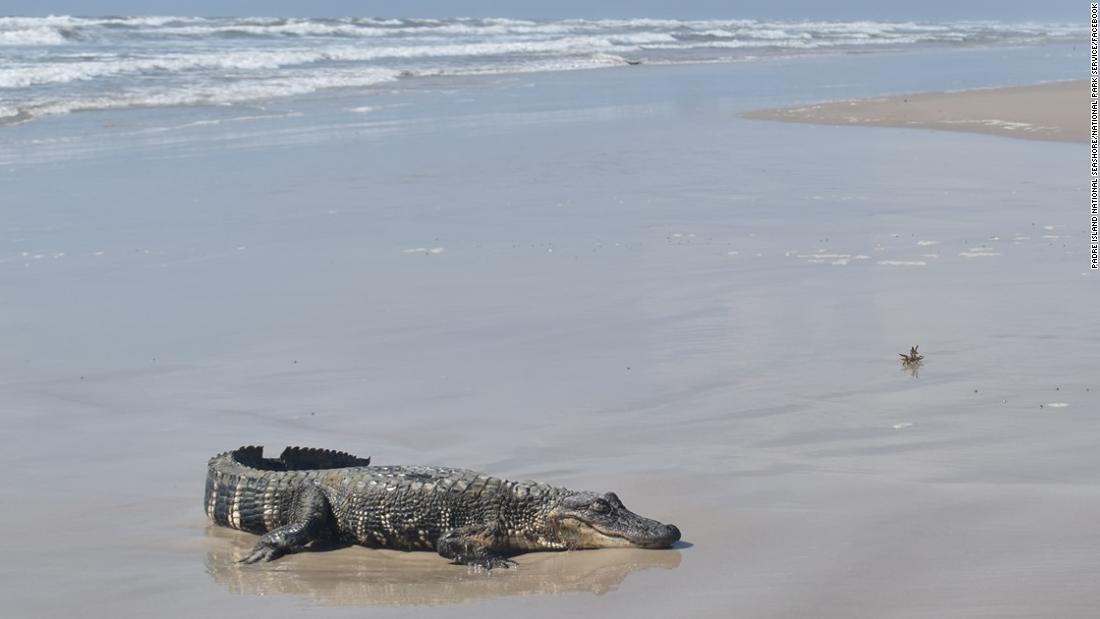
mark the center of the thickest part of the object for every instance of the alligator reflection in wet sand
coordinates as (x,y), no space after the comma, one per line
(351,577)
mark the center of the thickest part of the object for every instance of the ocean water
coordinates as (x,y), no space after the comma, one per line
(60,64)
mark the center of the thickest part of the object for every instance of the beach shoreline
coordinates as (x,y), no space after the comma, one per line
(601,280)
(1054,111)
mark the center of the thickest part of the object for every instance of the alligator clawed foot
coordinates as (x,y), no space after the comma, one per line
(262,552)
(486,563)
(492,563)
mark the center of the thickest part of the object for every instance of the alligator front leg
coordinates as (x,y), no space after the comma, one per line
(476,544)
(311,520)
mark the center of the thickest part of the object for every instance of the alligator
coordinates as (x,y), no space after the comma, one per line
(309,495)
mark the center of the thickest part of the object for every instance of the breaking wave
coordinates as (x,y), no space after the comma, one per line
(58,64)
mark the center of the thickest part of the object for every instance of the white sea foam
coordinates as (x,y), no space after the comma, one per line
(38,35)
(296,28)
(957,31)
(903,263)
(254,60)
(822,256)
(59,63)
(213,94)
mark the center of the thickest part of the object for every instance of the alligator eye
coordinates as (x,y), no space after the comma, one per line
(600,506)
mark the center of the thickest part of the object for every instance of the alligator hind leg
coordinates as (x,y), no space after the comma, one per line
(310,521)
(476,544)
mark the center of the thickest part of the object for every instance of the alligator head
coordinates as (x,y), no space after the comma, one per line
(590,520)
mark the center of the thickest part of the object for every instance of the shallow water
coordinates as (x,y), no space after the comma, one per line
(604,280)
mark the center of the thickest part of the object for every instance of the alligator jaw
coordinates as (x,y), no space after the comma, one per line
(589,520)
(658,536)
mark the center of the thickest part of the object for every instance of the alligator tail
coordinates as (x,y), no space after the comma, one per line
(246,491)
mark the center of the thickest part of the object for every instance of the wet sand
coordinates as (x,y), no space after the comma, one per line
(352,577)
(1056,111)
(603,280)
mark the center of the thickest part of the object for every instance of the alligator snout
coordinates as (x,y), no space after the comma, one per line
(672,534)
(664,536)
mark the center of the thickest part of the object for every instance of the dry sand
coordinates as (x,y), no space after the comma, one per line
(1057,111)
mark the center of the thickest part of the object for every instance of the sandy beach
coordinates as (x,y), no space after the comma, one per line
(1036,112)
(610,280)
